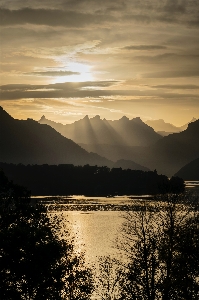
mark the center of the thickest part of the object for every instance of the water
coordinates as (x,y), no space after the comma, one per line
(95,232)
(95,222)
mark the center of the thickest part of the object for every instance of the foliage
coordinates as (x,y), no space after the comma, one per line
(163,252)
(109,279)
(90,180)
(34,262)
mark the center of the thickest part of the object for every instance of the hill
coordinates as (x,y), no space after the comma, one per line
(28,142)
(190,171)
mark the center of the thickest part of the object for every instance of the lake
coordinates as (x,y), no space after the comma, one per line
(96,221)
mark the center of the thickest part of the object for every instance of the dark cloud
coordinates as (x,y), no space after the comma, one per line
(144,47)
(161,57)
(177,87)
(139,18)
(79,90)
(57,90)
(53,73)
(172,74)
(177,6)
(78,13)
(167,65)
(51,17)
(65,85)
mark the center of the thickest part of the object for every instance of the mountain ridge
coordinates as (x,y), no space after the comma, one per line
(164,128)
(123,132)
(27,141)
(190,171)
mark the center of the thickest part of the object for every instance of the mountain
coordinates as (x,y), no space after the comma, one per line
(170,153)
(161,125)
(163,128)
(28,142)
(183,127)
(190,171)
(95,131)
(135,141)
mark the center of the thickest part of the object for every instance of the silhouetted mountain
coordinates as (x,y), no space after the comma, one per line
(28,142)
(170,153)
(129,164)
(164,128)
(161,125)
(190,171)
(167,155)
(184,127)
(95,131)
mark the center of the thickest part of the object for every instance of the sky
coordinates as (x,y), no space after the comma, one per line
(69,58)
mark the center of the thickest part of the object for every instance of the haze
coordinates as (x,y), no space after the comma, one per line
(69,58)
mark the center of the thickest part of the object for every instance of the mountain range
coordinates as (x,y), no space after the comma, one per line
(133,140)
(95,131)
(28,142)
(164,129)
(172,152)
(124,143)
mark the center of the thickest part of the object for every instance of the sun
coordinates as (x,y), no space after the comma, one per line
(83,73)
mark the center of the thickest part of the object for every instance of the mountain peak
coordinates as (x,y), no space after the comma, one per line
(4,115)
(193,124)
(138,120)
(193,120)
(97,117)
(124,118)
(43,118)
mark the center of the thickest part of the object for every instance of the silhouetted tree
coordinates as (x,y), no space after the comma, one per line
(90,180)
(163,251)
(109,279)
(34,262)
(176,185)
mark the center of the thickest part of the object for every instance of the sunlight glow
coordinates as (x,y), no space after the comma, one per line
(83,70)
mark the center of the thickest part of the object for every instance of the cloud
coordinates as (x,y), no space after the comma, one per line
(51,17)
(172,74)
(57,90)
(177,6)
(178,87)
(144,47)
(81,14)
(82,90)
(53,73)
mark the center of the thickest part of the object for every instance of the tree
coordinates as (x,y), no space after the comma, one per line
(179,249)
(35,263)
(141,246)
(162,244)
(109,279)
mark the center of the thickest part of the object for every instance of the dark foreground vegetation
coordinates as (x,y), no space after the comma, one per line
(162,252)
(36,263)
(160,246)
(90,180)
